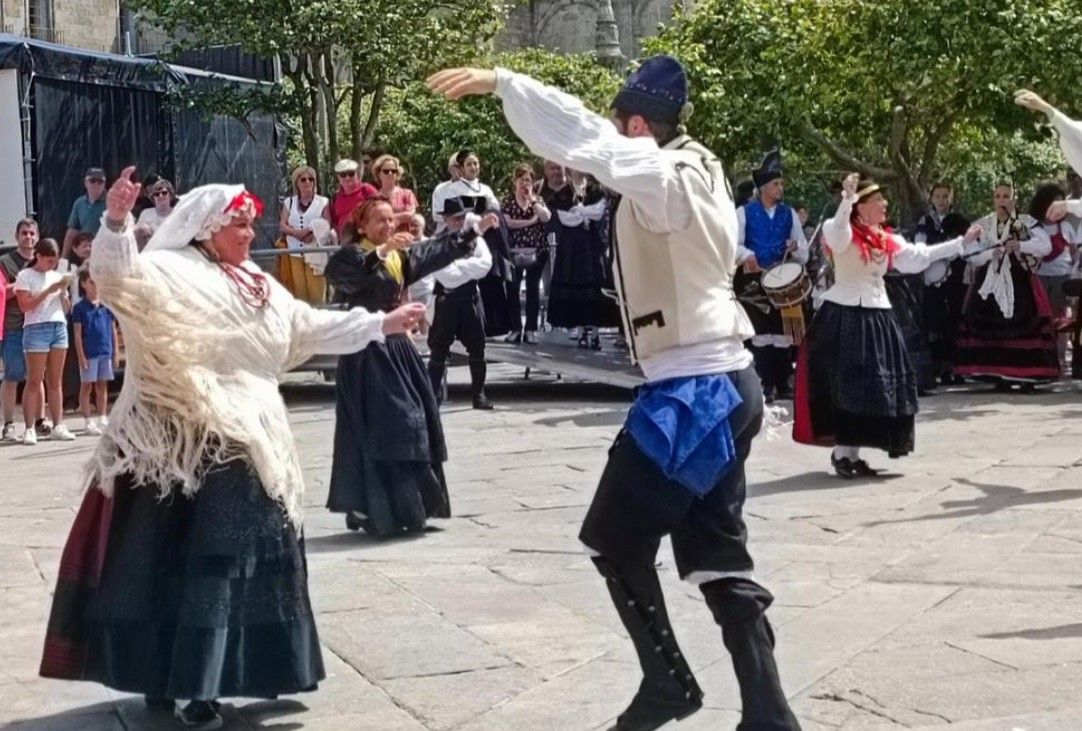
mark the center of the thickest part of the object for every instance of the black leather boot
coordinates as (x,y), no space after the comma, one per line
(668,690)
(478,371)
(738,606)
(783,372)
(764,366)
(436,370)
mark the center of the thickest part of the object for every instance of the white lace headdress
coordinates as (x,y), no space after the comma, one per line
(201,213)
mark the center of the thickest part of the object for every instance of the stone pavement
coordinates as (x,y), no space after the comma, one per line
(948,594)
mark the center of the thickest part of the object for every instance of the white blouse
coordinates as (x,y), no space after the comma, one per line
(859,283)
(303,219)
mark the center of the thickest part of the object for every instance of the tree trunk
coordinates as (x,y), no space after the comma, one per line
(309,138)
(356,99)
(325,74)
(373,113)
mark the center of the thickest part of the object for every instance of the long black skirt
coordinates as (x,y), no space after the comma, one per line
(906,294)
(579,276)
(199,598)
(388,440)
(855,385)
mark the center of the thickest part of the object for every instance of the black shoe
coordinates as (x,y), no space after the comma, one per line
(354,522)
(514,338)
(530,338)
(43,427)
(652,708)
(483,404)
(595,342)
(200,715)
(784,394)
(843,468)
(863,470)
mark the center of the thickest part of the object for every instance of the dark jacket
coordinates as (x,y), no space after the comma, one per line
(361,279)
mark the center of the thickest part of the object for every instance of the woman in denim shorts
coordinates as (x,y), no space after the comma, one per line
(43,297)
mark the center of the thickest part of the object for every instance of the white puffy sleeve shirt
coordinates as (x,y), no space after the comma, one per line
(859,283)
(556,126)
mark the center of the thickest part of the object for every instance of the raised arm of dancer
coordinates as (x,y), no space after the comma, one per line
(558,127)
(1070,135)
(114,254)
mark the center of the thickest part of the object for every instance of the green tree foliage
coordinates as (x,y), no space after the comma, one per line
(894,89)
(424,130)
(340,57)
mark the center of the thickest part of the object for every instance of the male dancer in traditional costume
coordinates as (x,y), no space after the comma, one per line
(458,314)
(678,465)
(944,281)
(769,231)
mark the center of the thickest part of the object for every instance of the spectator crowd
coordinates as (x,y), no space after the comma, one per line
(551,269)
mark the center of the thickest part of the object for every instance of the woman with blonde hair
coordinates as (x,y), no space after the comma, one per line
(301,209)
(387,170)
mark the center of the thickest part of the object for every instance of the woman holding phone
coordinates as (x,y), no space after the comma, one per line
(42,293)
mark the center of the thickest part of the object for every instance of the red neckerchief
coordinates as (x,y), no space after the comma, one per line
(1059,243)
(871,240)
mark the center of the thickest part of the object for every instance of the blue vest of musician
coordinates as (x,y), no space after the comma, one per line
(767,236)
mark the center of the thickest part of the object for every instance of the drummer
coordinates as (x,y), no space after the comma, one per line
(768,233)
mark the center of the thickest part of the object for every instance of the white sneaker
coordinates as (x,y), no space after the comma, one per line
(104,421)
(92,427)
(62,433)
(30,436)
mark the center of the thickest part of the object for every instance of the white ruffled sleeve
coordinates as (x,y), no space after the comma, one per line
(915,258)
(315,331)
(837,233)
(115,255)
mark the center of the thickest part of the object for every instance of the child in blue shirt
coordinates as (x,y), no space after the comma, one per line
(96,347)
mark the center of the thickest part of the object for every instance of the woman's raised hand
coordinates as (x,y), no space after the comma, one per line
(849,185)
(973,233)
(1031,100)
(121,198)
(489,220)
(403,319)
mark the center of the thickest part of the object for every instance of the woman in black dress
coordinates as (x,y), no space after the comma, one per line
(184,575)
(579,274)
(387,471)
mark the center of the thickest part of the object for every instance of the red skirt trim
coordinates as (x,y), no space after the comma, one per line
(81,566)
(802,420)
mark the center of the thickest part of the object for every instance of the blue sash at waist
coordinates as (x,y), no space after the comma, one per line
(682,426)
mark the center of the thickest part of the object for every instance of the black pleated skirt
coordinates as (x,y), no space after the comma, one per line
(389,448)
(579,276)
(856,385)
(200,598)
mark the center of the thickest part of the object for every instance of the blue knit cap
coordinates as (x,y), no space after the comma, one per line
(657,90)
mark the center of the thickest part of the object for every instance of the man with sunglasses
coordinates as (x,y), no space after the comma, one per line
(352,192)
(87,210)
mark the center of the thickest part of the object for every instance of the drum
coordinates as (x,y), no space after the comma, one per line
(937,273)
(786,284)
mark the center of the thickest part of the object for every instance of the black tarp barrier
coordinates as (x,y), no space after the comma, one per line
(77,126)
(93,109)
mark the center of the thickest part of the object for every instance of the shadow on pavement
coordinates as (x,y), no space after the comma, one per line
(996,497)
(1062,632)
(349,540)
(812,481)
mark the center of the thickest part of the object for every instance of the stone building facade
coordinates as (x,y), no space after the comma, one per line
(92,24)
(570,26)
